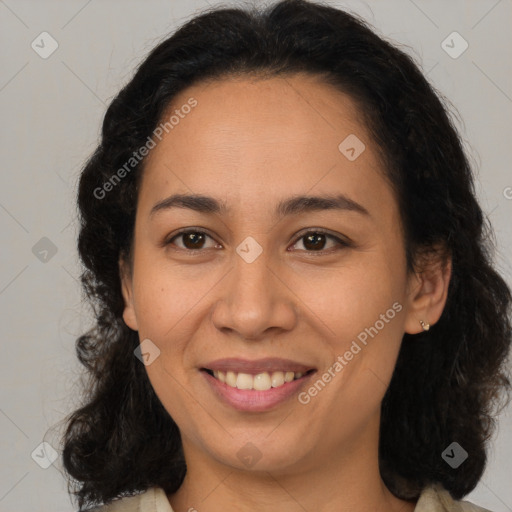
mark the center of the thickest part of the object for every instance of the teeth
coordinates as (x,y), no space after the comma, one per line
(231,379)
(277,379)
(244,381)
(261,382)
(288,376)
(220,375)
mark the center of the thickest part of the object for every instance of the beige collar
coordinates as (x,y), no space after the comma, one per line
(432,499)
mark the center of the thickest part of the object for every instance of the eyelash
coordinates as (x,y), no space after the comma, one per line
(320,231)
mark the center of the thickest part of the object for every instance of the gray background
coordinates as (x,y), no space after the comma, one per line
(52,111)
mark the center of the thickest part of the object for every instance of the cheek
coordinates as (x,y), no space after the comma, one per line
(362,306)
(166,299)
(171,306)
(349,298)
(165,314)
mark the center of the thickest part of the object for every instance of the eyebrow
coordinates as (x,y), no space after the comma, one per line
(292,206)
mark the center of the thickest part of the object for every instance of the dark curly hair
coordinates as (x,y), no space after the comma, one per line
(448,382)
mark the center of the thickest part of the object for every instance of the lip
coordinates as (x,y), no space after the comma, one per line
(268,364)
(250,400)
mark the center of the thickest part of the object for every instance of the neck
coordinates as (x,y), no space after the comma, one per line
(339,480)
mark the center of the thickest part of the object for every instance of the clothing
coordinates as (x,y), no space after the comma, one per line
(432,499)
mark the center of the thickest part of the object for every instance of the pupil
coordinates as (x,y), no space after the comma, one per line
(316,237)
(195,239)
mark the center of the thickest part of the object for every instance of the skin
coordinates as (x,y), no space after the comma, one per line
(252,143)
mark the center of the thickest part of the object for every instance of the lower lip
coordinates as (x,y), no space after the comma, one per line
(252,400)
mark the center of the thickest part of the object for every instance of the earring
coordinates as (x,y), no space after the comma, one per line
(426,326)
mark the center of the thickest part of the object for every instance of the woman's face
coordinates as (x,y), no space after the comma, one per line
(262,293)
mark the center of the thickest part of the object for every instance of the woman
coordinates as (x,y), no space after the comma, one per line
(296,306)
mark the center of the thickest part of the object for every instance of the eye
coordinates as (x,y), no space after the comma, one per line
(316,239)
(192,239)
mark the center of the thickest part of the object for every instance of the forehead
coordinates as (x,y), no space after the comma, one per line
(234,113)
(248,137)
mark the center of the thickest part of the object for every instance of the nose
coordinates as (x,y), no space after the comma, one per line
(254,302)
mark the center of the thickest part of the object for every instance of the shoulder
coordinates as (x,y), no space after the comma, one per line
(152,500)
(436,498)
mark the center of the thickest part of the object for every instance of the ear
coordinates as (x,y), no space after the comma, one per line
(428,290)
(125,274)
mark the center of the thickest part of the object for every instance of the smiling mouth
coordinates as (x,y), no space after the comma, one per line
(259,382)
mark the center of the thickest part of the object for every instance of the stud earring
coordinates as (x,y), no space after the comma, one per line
(426,326)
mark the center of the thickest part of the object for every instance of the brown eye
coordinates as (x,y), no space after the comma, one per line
(315,241)
(192,240)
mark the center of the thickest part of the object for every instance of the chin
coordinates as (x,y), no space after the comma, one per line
(259,454)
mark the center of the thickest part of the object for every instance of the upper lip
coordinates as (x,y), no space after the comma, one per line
(268,364)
